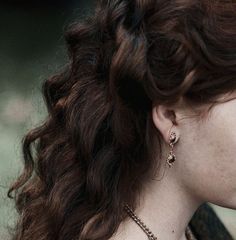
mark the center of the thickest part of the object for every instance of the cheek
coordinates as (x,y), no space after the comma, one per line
(222,163)
(210,162)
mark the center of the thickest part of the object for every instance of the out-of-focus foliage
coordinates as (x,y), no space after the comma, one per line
(31,49)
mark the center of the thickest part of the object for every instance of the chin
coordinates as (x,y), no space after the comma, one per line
(229,203)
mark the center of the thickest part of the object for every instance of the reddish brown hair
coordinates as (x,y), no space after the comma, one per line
(95,149)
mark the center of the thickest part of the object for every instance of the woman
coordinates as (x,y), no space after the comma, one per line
(140,127)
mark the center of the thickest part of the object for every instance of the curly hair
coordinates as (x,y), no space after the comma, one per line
(98,145)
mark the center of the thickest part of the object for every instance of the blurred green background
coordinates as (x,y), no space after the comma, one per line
(32,48)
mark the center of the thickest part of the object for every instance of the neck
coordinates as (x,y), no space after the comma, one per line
(166,208)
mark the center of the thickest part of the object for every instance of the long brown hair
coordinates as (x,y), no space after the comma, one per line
(98,145)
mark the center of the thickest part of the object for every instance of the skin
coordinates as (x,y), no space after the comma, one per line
(204,170)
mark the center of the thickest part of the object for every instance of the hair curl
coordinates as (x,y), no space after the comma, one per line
(98,145)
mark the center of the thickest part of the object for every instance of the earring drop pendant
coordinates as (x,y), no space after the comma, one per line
(171,157)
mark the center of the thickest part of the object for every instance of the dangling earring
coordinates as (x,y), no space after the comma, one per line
(171,157)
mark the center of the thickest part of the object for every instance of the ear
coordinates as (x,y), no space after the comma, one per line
(165,120)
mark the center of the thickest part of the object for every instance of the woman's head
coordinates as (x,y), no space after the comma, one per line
(105,133)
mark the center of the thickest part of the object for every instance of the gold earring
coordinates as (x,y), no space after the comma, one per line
(171,157)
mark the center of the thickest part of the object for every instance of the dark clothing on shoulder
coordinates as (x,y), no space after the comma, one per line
(206,225)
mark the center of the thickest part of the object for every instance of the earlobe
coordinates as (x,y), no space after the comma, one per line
(164,120)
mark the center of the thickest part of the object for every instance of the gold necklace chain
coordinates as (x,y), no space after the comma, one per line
(150,235)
